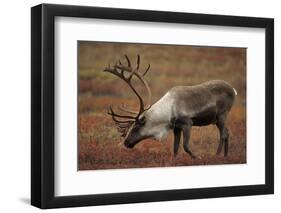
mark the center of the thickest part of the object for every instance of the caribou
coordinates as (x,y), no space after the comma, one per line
(178,110)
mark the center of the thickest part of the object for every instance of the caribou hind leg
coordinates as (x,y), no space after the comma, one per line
(226,142)
(224,135)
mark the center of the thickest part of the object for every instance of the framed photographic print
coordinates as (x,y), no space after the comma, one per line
(139,106)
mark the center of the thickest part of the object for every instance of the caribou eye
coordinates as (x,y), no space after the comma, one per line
(142,120)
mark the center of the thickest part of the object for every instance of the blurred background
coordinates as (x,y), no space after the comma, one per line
(100,145)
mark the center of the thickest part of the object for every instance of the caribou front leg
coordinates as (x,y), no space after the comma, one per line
(177,138)
(186,136)
(185,124)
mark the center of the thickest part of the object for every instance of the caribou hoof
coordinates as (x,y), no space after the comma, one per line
(193,156)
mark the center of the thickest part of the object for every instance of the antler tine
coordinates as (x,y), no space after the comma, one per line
(125,109)
(128,60)
(138,62)
(148,104)
(136,69)
(146,70)
(121,125)
(113,114)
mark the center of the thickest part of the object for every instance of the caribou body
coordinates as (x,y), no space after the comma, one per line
(178,110)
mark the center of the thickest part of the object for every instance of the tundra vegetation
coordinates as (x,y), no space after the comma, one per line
(99,143)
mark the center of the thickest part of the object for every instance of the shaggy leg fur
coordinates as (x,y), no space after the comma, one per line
(183,124)
(177,137)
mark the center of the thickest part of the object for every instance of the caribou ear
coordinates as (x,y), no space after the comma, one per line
(142,120)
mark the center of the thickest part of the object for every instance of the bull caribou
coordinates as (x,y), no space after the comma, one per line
(179,109)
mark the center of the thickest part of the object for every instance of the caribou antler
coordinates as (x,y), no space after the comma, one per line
(132,72)
(119,70)
(123,108)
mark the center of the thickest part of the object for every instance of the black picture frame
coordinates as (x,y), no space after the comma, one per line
(43,105)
